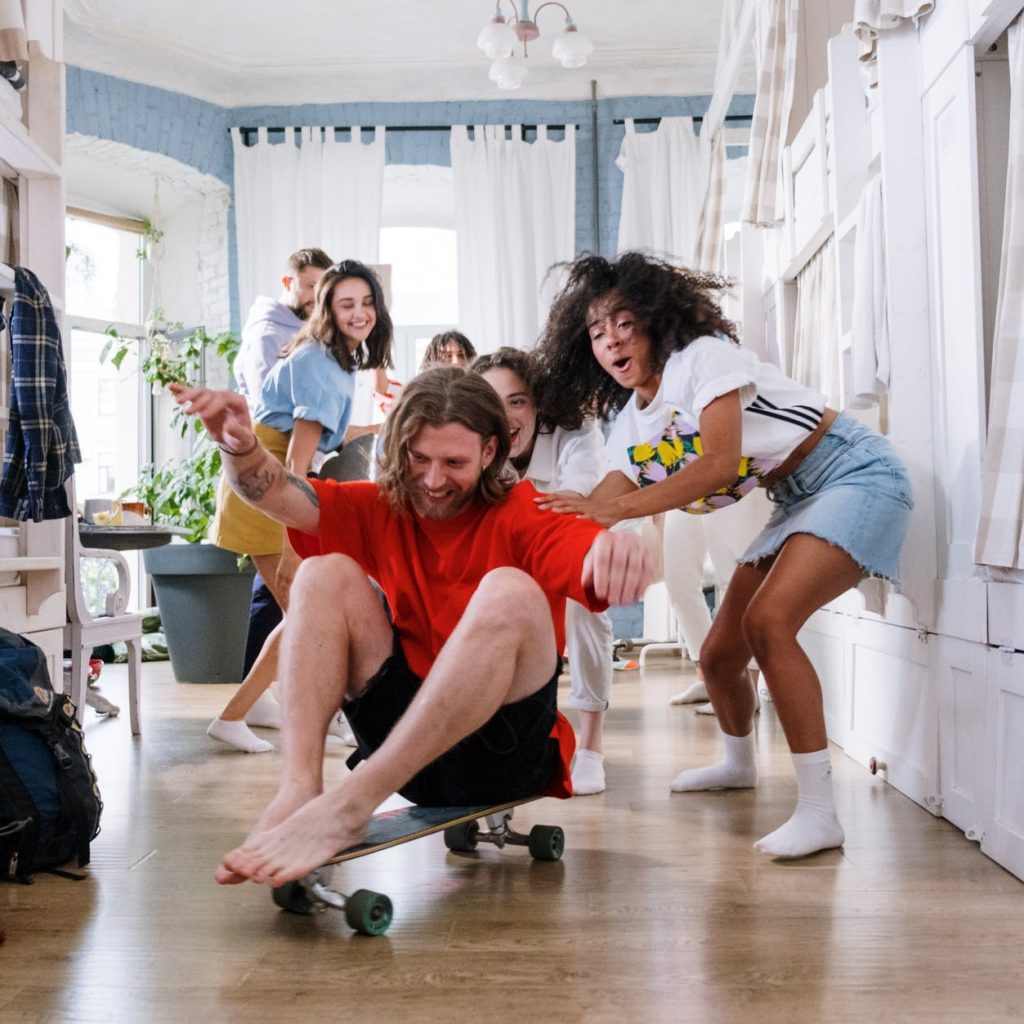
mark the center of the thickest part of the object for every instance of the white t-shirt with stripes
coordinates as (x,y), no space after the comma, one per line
(649,444)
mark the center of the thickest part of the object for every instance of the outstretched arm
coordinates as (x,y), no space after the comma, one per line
(250,469)
(617,498)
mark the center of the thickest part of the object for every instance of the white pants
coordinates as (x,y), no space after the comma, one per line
(588,636)
(720,536)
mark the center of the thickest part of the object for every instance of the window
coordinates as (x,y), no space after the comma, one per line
(104,287)
(417,240)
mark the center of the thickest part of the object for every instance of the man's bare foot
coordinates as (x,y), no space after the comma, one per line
(304,841)
(285,803)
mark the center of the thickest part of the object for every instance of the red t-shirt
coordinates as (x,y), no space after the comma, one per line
(429,570)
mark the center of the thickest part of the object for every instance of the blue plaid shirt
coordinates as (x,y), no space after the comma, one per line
(42,445)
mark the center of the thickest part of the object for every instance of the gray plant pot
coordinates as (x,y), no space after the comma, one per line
(204,607)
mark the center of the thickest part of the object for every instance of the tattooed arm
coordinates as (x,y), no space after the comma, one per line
(250,469)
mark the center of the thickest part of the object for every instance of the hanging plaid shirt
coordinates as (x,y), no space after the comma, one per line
(42,445)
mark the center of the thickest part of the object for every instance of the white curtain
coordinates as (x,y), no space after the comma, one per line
(866,361)
(515,216)
(662,184)
(707,249)
(873,16)
(1001,530)
(776,73)
(309,190)
(815,357)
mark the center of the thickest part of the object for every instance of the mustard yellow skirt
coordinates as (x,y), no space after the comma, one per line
(239,527)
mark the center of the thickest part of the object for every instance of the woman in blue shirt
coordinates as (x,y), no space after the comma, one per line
(305,406)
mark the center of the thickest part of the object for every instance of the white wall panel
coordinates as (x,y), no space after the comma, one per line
(1004,838)
(891,708)
(963,765)
(954,257)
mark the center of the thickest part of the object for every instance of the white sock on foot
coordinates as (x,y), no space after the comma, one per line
(737,770)
(339,727)
(265,712)
(693,694)
(814,825)
(588,773)
(238,735)
(709,708)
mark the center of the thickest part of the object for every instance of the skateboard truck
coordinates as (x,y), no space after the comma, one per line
(366,912)
(545,842)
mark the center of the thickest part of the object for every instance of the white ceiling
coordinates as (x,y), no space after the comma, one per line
(283,52)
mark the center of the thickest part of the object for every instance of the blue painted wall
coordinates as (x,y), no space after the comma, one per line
(197,134)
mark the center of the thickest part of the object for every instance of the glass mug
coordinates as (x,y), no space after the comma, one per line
(102,511)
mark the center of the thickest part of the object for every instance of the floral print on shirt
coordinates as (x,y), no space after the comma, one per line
(679,443)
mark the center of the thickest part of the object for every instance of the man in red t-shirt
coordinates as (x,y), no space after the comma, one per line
(453,700)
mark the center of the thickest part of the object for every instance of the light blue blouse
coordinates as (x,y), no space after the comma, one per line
(308,385)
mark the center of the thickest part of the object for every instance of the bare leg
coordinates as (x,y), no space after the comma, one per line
(505,634)
(263,672)
(229,727)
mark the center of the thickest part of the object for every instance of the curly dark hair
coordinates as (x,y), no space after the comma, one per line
(436,351)
(526,366)
(672,304)
(372,354)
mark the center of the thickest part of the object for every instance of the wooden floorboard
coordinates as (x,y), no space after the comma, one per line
(659,911)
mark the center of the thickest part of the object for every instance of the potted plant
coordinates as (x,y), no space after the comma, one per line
(202,591)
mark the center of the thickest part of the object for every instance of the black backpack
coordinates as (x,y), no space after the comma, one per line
(49,799)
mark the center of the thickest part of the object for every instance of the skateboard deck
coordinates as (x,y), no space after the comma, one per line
(370,912)
(404,824)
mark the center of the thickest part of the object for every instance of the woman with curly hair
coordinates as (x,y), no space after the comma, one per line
(553,458)
(449,348)
(701,421)
(305,406)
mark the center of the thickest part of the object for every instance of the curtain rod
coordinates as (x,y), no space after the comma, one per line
(695,117)
(245,132)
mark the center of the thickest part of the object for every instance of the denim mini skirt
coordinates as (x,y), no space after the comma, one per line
(851,490)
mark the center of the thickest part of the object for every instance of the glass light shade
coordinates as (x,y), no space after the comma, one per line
(508,72)
(497,39)
(572,48)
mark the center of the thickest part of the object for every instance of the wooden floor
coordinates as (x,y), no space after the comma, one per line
(660,910)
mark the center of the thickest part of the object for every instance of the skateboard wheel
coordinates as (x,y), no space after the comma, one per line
(462,838)
(368,913)
(546,842)
(293,897)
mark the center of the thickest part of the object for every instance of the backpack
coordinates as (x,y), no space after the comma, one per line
(49,799)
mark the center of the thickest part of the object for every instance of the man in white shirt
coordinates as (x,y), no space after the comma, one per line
(271,324)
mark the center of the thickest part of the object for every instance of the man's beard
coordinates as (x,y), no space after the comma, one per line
(438,511)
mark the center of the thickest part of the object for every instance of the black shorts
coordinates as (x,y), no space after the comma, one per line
(513,755)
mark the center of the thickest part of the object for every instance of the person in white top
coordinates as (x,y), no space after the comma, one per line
(701,422)
(553,458)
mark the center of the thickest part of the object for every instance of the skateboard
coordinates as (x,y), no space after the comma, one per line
(370,913)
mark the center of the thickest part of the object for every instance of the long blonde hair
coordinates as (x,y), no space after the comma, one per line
(435,398)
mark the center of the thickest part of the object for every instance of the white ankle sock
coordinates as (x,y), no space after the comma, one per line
(737,770)
(693,694)
(588,773)
(339,727)
(709,708)
(238,735)
(814,825)
(265,712)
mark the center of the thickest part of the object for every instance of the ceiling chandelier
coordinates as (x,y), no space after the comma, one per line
(499,40)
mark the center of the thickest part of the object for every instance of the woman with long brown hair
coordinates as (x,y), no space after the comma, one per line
(305,406)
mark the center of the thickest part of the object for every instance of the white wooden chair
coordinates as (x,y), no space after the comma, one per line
(84,631)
